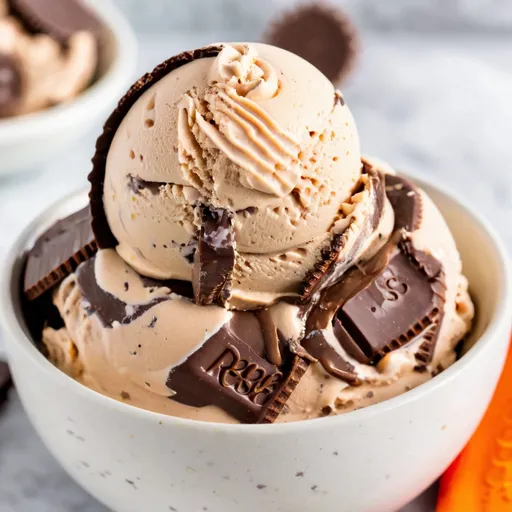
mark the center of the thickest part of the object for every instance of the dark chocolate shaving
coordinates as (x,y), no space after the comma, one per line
(58,252)
(104,235)
(231,372)
(60,19)
(405,198)
(214,258)
(11,84)
(316,344)
(330,268)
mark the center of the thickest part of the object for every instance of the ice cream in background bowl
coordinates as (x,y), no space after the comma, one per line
(63,64)
(174,305)
(252,266)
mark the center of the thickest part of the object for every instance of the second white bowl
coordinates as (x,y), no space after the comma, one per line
(30,140)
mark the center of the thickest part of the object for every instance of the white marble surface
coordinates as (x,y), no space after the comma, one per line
(431,105)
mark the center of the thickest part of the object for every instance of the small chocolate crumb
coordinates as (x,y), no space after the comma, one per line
(261,486)
(314,488)
(173,509)
(131,482)
(152,323)
(125,395)
(335,453)
(370,394)
(126,286)
(299,474)
(326,410)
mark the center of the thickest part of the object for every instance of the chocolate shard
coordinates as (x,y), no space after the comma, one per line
(338,256)
(101,229)
(60,19)
(230,371)
(58,252)
(334,364)
(5,382)
(214,258)
(320,34)
(110,309)
(385,303)
(11,84)
(399,305)
(405,198)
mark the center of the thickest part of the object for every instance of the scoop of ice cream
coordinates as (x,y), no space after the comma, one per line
(130,337)
(255,130)
(126,336)
(49,73)
(320,394)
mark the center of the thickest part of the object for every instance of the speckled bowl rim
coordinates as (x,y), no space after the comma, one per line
(104,89)
(500,322)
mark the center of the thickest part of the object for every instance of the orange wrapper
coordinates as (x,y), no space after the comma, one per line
(480,479)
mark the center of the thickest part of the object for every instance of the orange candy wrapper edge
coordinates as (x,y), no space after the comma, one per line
(480,479)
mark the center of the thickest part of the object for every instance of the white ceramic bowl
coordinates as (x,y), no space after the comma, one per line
(27,141)
(372,460)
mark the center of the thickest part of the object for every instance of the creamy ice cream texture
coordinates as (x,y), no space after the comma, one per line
(42,72)
(239,131)
(257,132)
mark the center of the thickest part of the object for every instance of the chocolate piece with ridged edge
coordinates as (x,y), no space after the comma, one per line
(231,371)
(58,252)
(385,303)
(101,229)
(337,257)
(405,198)
(320,34)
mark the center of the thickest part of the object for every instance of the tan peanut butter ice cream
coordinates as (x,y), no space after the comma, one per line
(252,267)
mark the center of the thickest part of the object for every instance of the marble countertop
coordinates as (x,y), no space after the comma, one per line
(429,105)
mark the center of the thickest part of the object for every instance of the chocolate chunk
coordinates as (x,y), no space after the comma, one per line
(214,258)
(406,201)
(316,344)
(5,382)
(11,84)
(384,304)
(330,268)
(231,372)
(320,34)
(110,309)
(60,19)
(398,306)
(104,235)
(58,252)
